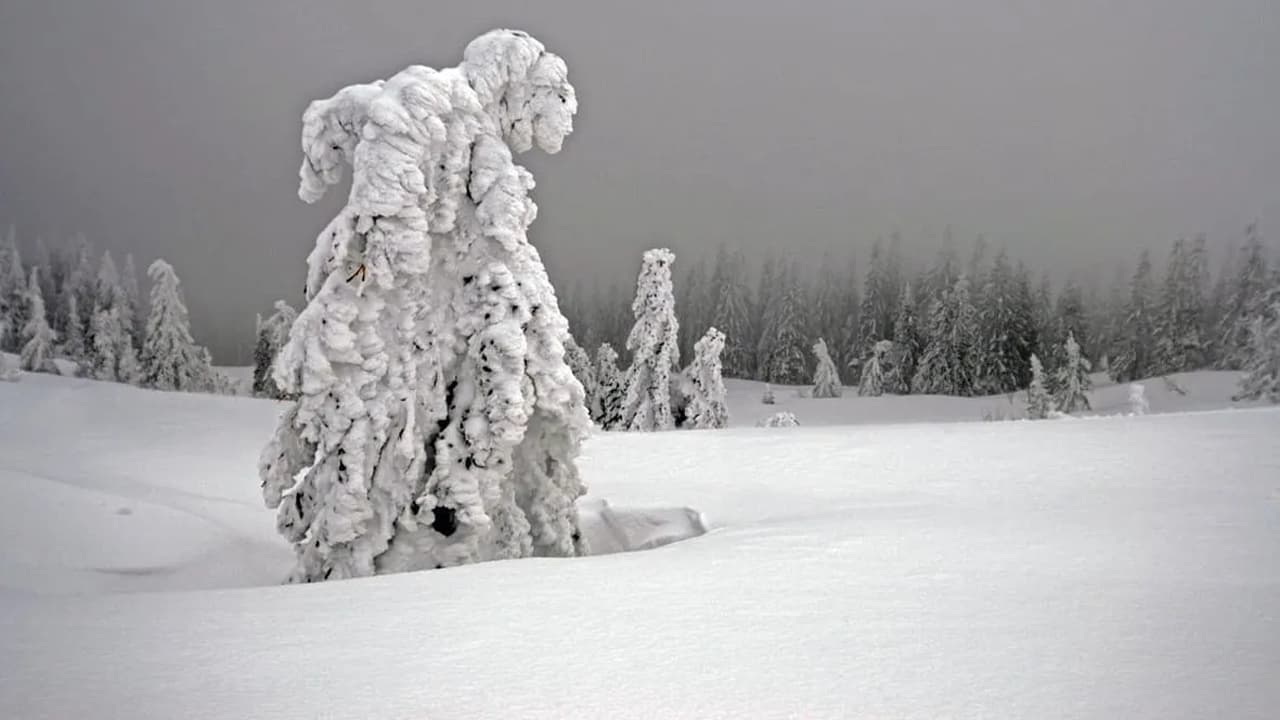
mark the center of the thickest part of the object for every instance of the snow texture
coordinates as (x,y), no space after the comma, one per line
(437,422)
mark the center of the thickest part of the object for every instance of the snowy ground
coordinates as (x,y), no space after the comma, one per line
(1082,568)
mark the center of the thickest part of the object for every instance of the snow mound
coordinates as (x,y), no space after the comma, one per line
(611,530)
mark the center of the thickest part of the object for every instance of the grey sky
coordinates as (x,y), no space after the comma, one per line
(1072,132)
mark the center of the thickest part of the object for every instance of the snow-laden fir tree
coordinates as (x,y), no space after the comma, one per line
(782,348)
(9,371)
(1134,356)
(171,360)
(73,346)
(826,380)
(37,337)
(879,297)
(111,353)
(610,389)
(1039,402)
(1006,331)
(907,343)
(1179,327)
(437,422)
(1245,291)
(948,365)
(873,370)
(584,370)
(704,385)
(1072,379)
(13,293)
(729,293)
(1138,399)
(272,334)
(1262,365)
(693,303)
(653,345)
(131,298)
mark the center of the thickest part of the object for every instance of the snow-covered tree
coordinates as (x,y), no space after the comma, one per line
(80,284)
(693,303)
(826,380)
(111,353)
(9,371)
(437,421)
(879,298)
(1006,330)
(704,386)
(653,346)
(873,373)
(907,343)
(171,360)
(584,370)
(37,336)
(610,389)
(782,351)
(1262,364)
(1179,328)
(272,334)
(782,419)
(1072,379)
(1039,402)
(1134,356)
(13,293)
(948,365)
(73,345)
(1245,291)
(1138,399)
(729,293)
(131,298)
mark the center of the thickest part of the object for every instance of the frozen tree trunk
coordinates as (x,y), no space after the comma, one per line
(654,347)
(704,384)
(437,422)
(826,379)
(37,336)
(1039,402)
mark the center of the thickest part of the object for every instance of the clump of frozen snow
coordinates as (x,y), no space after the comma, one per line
(779,420)
(1138,404)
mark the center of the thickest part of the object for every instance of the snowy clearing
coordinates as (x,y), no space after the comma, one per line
(1103,568)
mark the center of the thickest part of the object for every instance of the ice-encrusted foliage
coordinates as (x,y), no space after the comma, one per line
(704,384)
(171,360)
(436,422)
(653,346)
(273,333)
(826,380)
(610,389)
(584,370)
(1039,402)
(1073,379)
(1261,380)
(37,336)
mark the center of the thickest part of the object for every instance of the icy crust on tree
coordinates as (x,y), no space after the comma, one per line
(826,380)
(704,384)
(436,422)
(610,388)
(654,347)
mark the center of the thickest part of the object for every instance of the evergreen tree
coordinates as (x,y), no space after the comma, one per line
(73,345)
(704,385)
(763,332)
(826,381)
(80,284)
(171,360)
(1005,325)
(1070,319)
(1244,295)
(730,313)
(948,365)
(13,293)
(691,306)
(872,383)
(908,344)
(111,354)
(828,308)
(1134,357)
(1072,379)
(1262,364)
(1179,330)
(850,339)
(273,333)
(131,298)
(610,389)
(782,355)
(653,346)
(37,336)
(879,297)
(580,363)
(437,422)
(1039,402)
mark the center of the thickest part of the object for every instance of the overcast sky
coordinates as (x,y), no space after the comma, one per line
(1071,132)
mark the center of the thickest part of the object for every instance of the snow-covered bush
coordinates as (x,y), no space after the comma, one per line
(37,336)
(437,422)
(272,334)
(610,389)
(1138,399)
(768,397)
(171,360)
(779,420)
(704,384)
(1072,380)
(1039,402)
(654,347)
(873,376)
(826,380)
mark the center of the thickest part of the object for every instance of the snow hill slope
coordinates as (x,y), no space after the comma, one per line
(1102,568)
